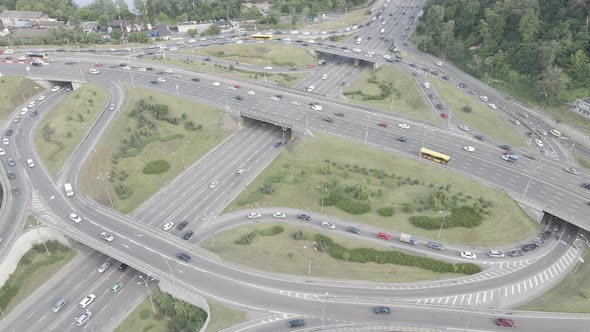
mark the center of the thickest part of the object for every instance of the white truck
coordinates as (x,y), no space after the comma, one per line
(68,189)
(359,40)
(407,238)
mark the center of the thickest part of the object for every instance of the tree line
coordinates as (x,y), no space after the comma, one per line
(541,45)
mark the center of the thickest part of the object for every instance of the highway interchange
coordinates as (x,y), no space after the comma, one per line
(150,250)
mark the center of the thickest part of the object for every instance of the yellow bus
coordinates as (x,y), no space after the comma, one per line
(434,156)
(259,36)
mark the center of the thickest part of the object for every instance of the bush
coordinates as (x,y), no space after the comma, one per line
(353,206)
(274,230)
(365,255)
(156,167)
(585,294)
(386,211)
(246,239)
(144,314)
(465,216)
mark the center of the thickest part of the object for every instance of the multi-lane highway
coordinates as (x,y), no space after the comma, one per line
(540,183)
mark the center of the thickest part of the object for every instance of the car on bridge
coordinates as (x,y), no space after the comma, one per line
(505,322)
(107,236)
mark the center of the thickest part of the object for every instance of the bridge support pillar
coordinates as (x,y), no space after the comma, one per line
(357,62)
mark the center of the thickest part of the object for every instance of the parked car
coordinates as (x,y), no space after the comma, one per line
(182,225)
(188,235)
(529,247)
(168,226)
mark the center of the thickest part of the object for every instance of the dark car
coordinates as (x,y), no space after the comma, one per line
(155,82)
(207,59)
(389,60)
(70,62)
(381,310)
(446,78)
(183,257)
(11,162)
(122,267)
(196,79)
(303,216)
(530,156)
(412,65)
(188,235)
(122,64)
(480,137)
(239,98)
(439,106)
(278,144)
(11,175)
(182,225)
(329,120)
(353,230)
(33,113)
(402,139)
(515,253)
(149,68)
(296,323)
(436,246)
(8,132)
(545,235)
(529,247)
(160,73)
(505,147)
(585,185)
(462,85)
(339,114)
(15,191)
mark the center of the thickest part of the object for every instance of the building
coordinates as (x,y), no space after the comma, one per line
(90,26)
(583,107)
(184,27)
(22,19)
(123,25)
(161,31)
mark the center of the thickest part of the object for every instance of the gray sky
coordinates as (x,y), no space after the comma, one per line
(85,2)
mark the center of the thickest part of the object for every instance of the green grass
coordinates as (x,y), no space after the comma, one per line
(135,322)
(15,91)
(258,54)
(408,101)
(482,118)
(288,80)
(70,120)
(566,296)
(301,188)
(349,19)
(283,254)
(223,317)
(583,162)
(180,152)
(32,278)
(31,222)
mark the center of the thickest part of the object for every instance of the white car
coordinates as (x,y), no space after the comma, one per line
(251,92)
(24,111)
(161,80)
(324,76)
(75,218)
(168,225)
(202,38)
(2,152)
(173,49)
(555,133)
(469,148)
(296,103)
(275,98)
(387,56)
(112,107)
(495,254)
(268,68)
(126,67)
(254,215)
(93,71)
(464,127)
(8,51)
(56,88)
(516,122)
(32,104)
(539,143)
(317,107)
(87,301)
(16,119)
(483,98)
(213,184)
(493,106)
(216,84)
(358,50)
(404,126)
(142,69)
(105,266)
(107,237)
(6,141)
(191,41)
(30,163)
(468,255)
(572,170)
(328,225)
(168,71)
(231,87)
(41,98)
(278,214)
(438,63)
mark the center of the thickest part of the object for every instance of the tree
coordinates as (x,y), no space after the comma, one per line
(360,192)
(182,17)
(116,35)
(579,69)
(294,20)
(553,82)
(213,29)
(192,32)
(529,25)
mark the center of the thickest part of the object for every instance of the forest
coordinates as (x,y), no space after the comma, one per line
(537,49)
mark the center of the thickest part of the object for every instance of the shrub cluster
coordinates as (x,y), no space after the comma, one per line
(246,239)
(365,255)
(386,211)
(274,230)
(464,216)
(183,316)
(156,167)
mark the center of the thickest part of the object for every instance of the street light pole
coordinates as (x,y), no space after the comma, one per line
(529,182)
(441,224)
(145,282)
